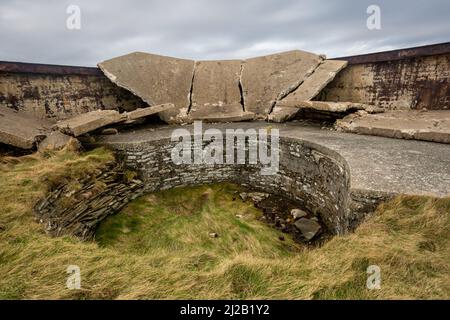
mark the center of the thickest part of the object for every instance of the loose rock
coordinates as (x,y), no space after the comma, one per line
(109,131)
(297,213)
(57,141)
(309,228)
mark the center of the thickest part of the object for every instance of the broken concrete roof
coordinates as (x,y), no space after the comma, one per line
(268,79)
(228,90)
(21,130)
(154,78)
(93,120)
(310,88)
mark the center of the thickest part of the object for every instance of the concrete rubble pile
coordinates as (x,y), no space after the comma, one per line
(22,130)
(401,124)
(27,132)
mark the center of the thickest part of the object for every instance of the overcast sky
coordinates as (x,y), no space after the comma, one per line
(36,31)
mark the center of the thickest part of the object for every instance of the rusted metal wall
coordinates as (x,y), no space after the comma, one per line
(401,79)
(412,78)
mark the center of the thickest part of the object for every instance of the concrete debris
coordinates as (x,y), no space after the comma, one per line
(418,125)
(307,90)
(144,112)
(155,79)
(94,120)
(243,195)
(88,122)
(297,213)
(109,131)
(258,196)
(308,227)
(286,109)
(313,84)
(22,130)
(222,115)
(268,79)
(254,196)
(56,140)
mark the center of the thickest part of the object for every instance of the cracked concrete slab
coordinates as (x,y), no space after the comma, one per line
(88,122)
(216,92)
(155,79)
(268,79)
(307,90)
(218,115)
(144,112)
(21,130)
(418,125)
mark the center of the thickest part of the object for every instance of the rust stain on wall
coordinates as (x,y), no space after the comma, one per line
(413,83)
(61,96)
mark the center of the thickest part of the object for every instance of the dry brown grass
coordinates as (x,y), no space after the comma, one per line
(155,250)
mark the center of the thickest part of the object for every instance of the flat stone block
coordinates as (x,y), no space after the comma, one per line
(429,126)
(88,122)
(21,130)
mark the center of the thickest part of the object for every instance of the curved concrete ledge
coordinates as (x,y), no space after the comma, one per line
(341,177)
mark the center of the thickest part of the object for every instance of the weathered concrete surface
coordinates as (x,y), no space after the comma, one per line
(218,114)
(412,83)
(216,94)
(310,88)
(144,112)
(58,97)
(154,78)
(21,130)
(318,109)
(329,106)
(268,79)
(429,126)
(88,122)
(376,164)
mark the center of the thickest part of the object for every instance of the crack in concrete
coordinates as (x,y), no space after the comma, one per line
(241,86)
(283,94)
(191,90)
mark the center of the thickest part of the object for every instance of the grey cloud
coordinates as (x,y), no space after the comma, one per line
(35,31)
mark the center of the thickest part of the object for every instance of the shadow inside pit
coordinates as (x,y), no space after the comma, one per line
(287,215)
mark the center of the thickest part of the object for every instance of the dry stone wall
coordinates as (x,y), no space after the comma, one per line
(318,179)
(77,207)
